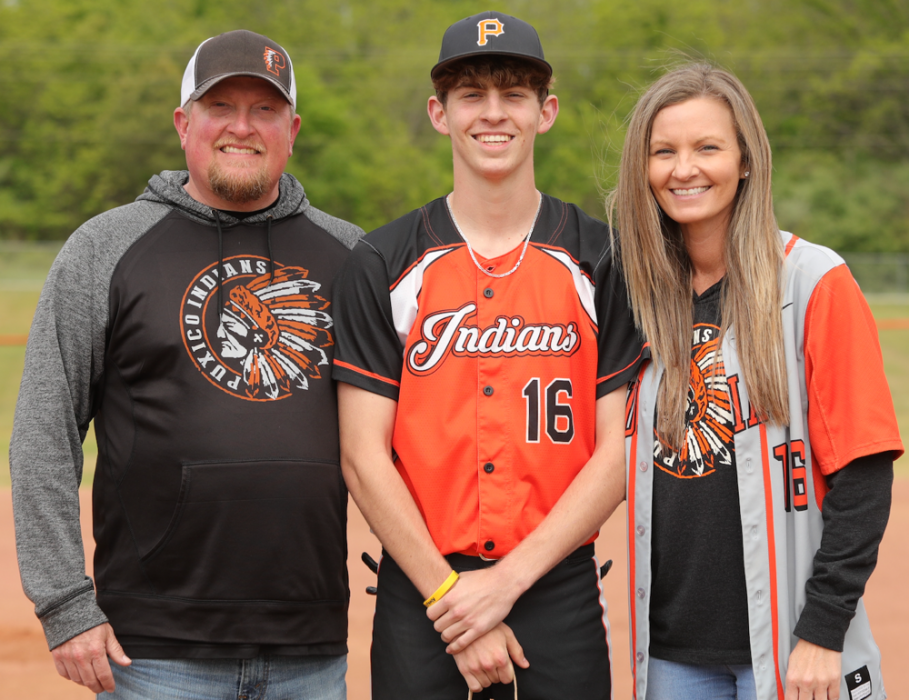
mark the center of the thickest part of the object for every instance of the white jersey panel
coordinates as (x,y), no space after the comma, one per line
(405,295)
(582,284)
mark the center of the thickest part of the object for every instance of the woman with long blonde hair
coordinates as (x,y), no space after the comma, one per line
(761,436)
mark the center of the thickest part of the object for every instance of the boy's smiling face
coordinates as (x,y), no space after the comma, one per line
(492,129)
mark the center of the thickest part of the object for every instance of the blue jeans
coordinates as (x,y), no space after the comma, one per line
(668,680)
(262,678)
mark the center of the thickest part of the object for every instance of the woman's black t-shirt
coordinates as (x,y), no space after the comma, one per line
(698,605)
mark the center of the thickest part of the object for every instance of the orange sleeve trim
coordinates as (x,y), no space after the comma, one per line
(600,380)
(352,368)
(894,446)
(791,244)
(771,555)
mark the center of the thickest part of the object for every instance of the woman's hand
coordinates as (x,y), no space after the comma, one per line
(814,673)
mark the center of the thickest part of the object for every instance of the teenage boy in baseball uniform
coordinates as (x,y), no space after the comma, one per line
(484,345)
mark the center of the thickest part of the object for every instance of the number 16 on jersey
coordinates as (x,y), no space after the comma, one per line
(556,410)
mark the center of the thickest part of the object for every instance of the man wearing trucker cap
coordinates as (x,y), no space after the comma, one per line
(484,348)
(194,326)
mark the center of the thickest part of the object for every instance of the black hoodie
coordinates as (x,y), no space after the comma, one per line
(219,507)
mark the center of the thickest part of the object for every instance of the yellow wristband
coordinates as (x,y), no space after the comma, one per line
(442,590)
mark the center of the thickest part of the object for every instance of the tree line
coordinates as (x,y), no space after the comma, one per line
(89,87)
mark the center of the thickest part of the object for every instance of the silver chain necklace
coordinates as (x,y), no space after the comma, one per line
(474,257)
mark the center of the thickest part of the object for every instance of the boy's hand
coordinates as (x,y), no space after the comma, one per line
(489,659)
(478,602)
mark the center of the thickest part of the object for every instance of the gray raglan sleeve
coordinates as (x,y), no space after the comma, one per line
(64,364)
(63,360)
(347,233)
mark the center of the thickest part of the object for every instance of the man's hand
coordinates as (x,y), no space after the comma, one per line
(83,659)
(478,602)
(814,673)
(489,659)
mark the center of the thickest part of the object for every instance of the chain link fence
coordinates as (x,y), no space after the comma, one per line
(880,273)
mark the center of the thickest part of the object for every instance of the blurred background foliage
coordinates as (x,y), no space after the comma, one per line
(88,89)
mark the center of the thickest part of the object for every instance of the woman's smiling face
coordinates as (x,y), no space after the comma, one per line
(695,164)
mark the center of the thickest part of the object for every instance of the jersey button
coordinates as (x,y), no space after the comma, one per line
(489,546)
(641,530)
(641,593)
(489,467)
(642,466)
(488,293)
(488,390)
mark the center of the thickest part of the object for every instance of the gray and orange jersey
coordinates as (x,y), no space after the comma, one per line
(840,410)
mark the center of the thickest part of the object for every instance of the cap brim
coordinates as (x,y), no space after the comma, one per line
(211,82)
(512,54)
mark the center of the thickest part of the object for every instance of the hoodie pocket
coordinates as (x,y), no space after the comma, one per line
(256,530)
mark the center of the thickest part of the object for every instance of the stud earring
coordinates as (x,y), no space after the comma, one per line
(747,173)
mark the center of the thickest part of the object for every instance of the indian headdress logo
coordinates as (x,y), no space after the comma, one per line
(270,336)
(274,61)
(709,437)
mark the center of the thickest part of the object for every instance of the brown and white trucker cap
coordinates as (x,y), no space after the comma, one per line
(240,52)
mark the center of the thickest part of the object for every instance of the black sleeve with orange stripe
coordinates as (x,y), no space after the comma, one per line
(856,510)
(368,353)
(621,347)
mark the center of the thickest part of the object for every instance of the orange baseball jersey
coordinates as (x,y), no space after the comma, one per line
(496,378)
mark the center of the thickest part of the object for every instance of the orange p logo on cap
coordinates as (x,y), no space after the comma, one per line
(274,61)
(488,27)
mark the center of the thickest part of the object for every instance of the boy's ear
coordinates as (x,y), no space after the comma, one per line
(548,113)
(436,111)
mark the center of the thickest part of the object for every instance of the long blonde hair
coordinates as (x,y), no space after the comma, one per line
(658,271)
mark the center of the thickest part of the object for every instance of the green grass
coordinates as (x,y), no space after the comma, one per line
(895,349)
(889,305)
(24,266)
(17,307)
(16,310)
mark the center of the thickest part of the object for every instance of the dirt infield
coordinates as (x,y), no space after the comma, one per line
(27,672)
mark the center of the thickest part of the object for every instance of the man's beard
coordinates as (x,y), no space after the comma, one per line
(239,186)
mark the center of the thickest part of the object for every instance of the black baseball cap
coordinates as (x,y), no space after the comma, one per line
(240,52)
(492,33)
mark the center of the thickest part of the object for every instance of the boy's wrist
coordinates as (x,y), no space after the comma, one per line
(512,578)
